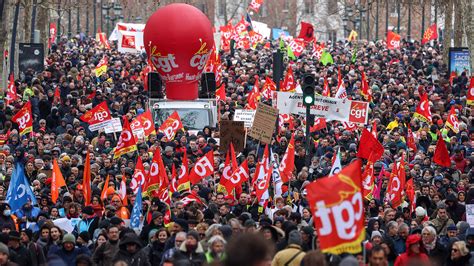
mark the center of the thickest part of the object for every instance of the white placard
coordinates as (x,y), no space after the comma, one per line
(245,115)
(470,214)
(114,125)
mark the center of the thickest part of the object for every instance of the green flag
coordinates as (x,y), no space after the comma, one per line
(282,44)
(290,53)
(354,54)
(326,58)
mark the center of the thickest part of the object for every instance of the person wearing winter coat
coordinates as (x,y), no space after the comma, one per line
(456,211)
(414,251)
(190,252)
(68,251)
(460,255)
(131,252)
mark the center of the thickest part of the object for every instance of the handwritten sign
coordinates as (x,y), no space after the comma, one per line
(247,116)
(264,123)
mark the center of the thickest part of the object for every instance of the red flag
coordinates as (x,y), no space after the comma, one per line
(91,96)
(145,72)
(57,181)
(191,198)
(334,199)
(174,181)
(138,178)
(254,95)
(287,164)
(319,123)
(147,123)
(423,109)
(11,93)
(374,129)
(317,51)
(226,171)
(103,194)
(441,155)
(452,76)
(306,32)
(183,177)
(220,93)
(255,5)
(452,122)
(52,34)
(240,175)
(369,144)
(126,142)
(24,119)
(431,33)
(171,126)
(470,92)
(368,179)
(123,191)
(268,88)
(349,126)
(410,192)
(366,90)
(86,180)
(98,117)
(57,95)
(203,167)
(289,81)
(393,40)
(411,140)
(326,91)
(262,175)
(157,178)
(396,184)
(286,119)
(297,46)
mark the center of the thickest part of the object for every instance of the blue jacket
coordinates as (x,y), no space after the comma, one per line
(68,257)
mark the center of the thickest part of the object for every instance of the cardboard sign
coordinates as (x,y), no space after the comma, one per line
(264,123)
(470,214)
(232,131)
(247,116)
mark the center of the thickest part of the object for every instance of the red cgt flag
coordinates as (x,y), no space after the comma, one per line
(393,40)
(396,184)
(203,167)
(289,81)
(146,121)
(452,122)
(183,177)
(240,175)
(126,142)
(24,119)
(369,144)
(366,90)
(338,210)
(171,126)
(423,109)
(431,33)
(287,164)
(319,123)
(255,5)
(98,117)
(11,93)
(441,155)
(306,31)
(411,140)
(470,92)
(220,93)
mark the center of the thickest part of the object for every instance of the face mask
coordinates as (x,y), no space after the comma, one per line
(7,212)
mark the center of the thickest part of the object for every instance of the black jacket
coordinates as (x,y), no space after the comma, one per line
(139,258)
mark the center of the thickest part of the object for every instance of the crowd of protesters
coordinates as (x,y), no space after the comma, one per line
(235,229)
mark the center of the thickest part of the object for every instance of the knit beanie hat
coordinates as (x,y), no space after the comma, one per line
(69,238)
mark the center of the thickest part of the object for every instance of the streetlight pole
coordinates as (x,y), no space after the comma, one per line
(33,21)
(422,18)
(94,10)
(386,17)
(368,20)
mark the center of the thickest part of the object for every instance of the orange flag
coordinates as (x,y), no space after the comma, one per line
(86,180)
(103,195)
(57,182)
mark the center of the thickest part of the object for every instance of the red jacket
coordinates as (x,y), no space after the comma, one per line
(405,258)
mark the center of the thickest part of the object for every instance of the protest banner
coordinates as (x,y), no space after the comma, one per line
(232,132)
(330,108)
(114,125)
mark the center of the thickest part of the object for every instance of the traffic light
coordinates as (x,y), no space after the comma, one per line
(308,89)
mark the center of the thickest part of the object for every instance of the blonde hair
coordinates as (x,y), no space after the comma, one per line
(461,245)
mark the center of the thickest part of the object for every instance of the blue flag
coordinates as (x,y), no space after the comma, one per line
(19,191)
(249,21)
(137,210)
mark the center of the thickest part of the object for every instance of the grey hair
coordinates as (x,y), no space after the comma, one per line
(391,224)
(214,239)
(403,226)
(181,234)
(211,229)
(430,229)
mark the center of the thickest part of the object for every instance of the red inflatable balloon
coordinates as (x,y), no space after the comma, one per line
(178,40)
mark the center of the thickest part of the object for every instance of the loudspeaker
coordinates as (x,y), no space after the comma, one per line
(208,86)
(277,67)
(31,56)
(155,86)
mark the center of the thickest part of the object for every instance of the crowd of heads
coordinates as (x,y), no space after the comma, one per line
(234,229)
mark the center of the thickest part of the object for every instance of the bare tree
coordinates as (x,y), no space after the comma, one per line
(448,27)
(468,23)
(458,23)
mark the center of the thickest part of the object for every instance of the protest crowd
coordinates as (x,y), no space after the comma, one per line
(68,198)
